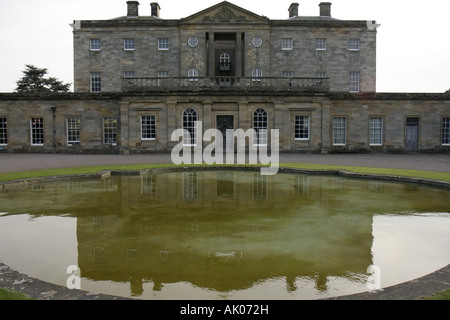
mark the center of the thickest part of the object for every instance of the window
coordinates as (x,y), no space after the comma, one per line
(128,74)
(321,74)
(190,125)
(96,45)
(287,44)
(353,45)
(257,74)
(110,131)
(148,127)
(321,44)
(193,74)
(162,74)
(128,44)
(73,131)
(339,131)
(193,42)
(376,131)
(3,131)
(96,82)
(446,131)
(260,125)
(301,127)
(163,44)
(37,131)
(354,82)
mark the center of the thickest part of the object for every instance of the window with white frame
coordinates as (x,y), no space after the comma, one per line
(128,44)
(110,131)
(162,74)
(96,45)
(163,44)
(128,74)
(96,82)
(3,132)
(37,131)
(190,127)
(301,127)
(287,44)
(339,131)
(446,131)
(353,45)
(257,74)
(193,74)
(73,131)
(376,131)
(321,44)
(354,82)
(260,127)
(148,127)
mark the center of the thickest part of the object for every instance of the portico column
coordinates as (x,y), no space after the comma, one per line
(211,55)
(238,54)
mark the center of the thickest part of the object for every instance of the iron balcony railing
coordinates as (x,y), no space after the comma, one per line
(312,84)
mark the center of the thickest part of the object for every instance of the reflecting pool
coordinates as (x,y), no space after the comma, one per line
(226,234)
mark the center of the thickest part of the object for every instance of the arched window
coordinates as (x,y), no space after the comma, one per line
(257,74)
(189,124)
(225,62)
(193,74)
(261,126)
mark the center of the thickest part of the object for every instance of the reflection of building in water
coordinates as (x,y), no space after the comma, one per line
(224,233)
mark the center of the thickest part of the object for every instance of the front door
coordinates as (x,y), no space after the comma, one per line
(223,124)
(412,134)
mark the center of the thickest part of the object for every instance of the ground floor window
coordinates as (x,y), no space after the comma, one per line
(446,131)
(148,127)
(37,131)
(301,127)
(110,131)
(261,126)
(339,131)
(376,131)
(73,131)
(3,131)
(190,127)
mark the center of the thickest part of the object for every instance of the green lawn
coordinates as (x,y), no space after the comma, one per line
(12,295)
(86,170)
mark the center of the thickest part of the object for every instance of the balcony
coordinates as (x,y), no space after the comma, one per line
(311,84)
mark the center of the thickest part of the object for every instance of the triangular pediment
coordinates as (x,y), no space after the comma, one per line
(224,12)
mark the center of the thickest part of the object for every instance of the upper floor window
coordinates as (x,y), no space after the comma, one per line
(353,45)
(260,125)
(128,44)
(354,82)
(3,131)
(163,44)
(37,131)
(257,74)
(193,74)
(321,44)
(287,44)
(446,131)
(128,74)
(96,45)
(96,82)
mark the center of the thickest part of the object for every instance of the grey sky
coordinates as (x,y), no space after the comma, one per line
(413,41)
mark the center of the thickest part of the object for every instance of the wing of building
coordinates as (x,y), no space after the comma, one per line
(139,77)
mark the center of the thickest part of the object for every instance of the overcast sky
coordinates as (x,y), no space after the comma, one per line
(413,41)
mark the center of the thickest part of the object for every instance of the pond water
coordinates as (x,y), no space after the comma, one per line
(226,234)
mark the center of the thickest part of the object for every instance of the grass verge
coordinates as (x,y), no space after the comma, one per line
(444,295)
(12,295)
(443,176)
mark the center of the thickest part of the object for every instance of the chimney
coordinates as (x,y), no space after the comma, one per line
(155,9)
(293,10)
(133,9)
(325,9)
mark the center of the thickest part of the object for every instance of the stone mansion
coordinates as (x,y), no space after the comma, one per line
(137,78)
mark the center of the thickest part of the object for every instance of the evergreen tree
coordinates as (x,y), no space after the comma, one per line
(34,81)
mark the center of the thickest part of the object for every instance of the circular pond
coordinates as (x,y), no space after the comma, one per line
(226,234)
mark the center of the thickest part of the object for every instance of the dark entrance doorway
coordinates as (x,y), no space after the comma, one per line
(224,123)
(412,134)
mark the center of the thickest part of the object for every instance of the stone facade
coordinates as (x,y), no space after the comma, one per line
(202,68)
(279,48)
